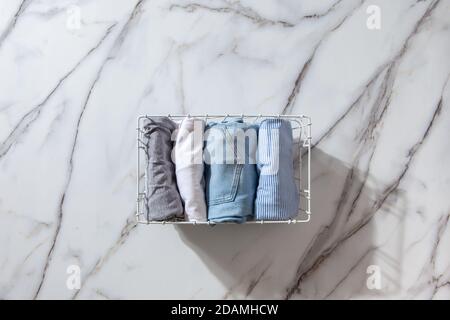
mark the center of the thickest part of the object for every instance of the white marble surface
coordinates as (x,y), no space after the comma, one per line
(380,105)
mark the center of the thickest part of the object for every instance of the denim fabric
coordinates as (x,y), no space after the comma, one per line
(163,200)
(230,171)
(277,197)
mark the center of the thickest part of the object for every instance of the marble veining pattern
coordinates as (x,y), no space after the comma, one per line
(380,106)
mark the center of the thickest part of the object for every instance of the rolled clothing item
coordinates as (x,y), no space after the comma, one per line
(163,200)
(277,197)
(188,154)
(230,170)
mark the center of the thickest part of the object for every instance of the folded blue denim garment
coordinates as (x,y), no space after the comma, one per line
(163,200)
(277,197)
(230,170)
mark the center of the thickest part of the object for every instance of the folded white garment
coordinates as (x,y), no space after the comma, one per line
(188,154)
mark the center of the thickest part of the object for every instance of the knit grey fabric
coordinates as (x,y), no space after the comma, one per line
(163,199)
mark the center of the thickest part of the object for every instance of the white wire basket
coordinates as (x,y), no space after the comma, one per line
(301,130)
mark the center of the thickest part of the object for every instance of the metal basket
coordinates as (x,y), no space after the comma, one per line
(301,129)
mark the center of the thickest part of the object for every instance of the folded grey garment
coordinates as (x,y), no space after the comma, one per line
(163,199)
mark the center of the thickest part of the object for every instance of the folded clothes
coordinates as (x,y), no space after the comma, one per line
(163,200)
(230,170)
(189,167)
(277,197)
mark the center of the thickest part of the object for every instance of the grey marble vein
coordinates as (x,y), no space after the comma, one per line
(27,120)
(117,43)
(124,234)
(235,8)
(379,102)
(12,23)
(287,109)
(304,270)
(388,65)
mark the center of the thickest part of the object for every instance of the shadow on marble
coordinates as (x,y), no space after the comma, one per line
(326,258)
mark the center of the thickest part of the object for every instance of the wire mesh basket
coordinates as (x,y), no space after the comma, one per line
(301,130)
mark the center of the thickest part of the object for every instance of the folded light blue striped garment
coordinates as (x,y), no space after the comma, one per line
(277,197)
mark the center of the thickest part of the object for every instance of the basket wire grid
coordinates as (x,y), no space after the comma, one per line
(301,129)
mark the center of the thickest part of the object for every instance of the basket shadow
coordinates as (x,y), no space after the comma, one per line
(325,258)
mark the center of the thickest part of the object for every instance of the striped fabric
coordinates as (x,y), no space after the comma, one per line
(277,197)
